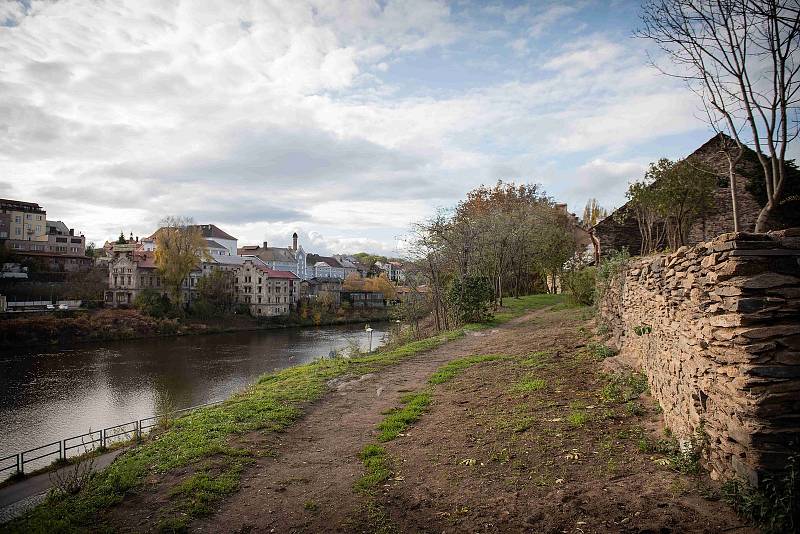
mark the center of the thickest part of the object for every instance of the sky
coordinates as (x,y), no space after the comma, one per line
(343,121)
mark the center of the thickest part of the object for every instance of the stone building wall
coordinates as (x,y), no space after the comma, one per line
(723,346)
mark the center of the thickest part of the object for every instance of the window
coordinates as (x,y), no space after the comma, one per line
(17,219)
(28,216)
(76,240)
(38,228)
(18,231)
(61,240)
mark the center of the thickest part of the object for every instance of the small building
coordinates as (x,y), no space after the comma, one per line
(364,299)
(291,259)
(322,289)
(128,275)
(265,291)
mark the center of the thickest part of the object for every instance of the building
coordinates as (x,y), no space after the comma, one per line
(129,274)
(218,241)
(620,229)
(291,259)
(325,267)
(328,290)
(265,291)
(393,270)
(24,221)
(364,299)
(25,230)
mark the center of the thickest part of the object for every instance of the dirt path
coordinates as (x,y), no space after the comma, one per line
(561,454)
(308,486)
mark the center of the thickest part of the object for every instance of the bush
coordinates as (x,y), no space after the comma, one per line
(154,304)
(471,297)
(607,270)
(580,286)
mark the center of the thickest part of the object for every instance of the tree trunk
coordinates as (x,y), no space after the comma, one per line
(763,217)
(732,183)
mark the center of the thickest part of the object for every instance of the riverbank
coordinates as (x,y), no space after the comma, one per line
(507,428)
(85,326)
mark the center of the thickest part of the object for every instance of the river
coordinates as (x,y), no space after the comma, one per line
(47,394)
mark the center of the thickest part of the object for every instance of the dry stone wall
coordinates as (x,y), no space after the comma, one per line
(722,350)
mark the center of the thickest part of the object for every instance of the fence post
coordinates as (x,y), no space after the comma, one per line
(103,439)
(64,449)
(138,430)
(60,451)
(21,463)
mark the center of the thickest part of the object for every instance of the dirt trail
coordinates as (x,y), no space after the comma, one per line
(308,486)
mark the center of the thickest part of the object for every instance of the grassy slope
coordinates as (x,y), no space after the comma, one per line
(202,439)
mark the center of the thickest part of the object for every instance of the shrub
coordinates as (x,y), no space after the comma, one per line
(607,271)
(471,297)
(580,286)
(154,304)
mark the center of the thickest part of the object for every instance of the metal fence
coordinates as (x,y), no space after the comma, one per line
(87,442)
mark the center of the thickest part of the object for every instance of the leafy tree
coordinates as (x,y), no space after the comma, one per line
(121,239)
(472,299)
(91,250)
(180,249)
(153,303)
(215,292)
(353,282)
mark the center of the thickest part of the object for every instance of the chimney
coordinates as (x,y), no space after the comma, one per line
(265,244)
(294,241)
(72,231)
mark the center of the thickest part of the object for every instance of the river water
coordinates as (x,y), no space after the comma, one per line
(47,394)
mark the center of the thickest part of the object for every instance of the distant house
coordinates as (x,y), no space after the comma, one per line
(620,229)
(364,299)
(394,271)
(265,291)
(325,267)
(128,275)
(328,289)
(291,259)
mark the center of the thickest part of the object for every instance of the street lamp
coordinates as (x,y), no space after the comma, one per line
(369,330)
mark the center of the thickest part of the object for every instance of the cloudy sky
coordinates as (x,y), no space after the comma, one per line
(343,121)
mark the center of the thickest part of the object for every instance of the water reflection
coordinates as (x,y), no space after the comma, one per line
(47,395)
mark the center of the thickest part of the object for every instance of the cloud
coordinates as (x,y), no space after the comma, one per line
(341,120)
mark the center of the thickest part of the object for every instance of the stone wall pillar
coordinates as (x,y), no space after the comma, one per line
(723,347)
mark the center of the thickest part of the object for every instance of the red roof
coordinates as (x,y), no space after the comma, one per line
(145,259)
(272,273)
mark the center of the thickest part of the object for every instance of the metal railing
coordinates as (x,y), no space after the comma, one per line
(88,441)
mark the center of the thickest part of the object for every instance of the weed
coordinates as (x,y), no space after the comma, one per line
(399,419)
(603,329)
(642,329)
(600,351)
(623,387)
(775,505)
(311,506)
(451,369)
(197,494)
(522,424)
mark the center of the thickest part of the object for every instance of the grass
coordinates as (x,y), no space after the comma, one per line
(578,418)
(623,387)
(274,402)
(536,359)
(528,385)
(600,351)
(399,419)
(451,369)
(377,468)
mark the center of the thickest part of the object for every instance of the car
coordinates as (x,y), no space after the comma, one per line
(51,307)
(63,307)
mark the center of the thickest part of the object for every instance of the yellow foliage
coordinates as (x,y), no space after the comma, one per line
(180,248)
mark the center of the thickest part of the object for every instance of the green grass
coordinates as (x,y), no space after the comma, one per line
(377,468)
(623,387)
(399,419)
(536,359)
(528,385)
(600,351)
(578,418)
(451,369)
(274,402)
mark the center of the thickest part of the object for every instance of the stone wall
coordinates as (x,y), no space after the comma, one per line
(723,347)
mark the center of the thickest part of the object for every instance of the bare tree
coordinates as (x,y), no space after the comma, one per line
(741,57)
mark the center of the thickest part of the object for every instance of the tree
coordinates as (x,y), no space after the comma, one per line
(180,248)
(472,298)
(353,282)
(215,291)
(382,284)
(742,57)
(593,213)
(121,239)
(682,192)
(91,250)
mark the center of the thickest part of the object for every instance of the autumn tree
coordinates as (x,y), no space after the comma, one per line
(593,213)
(180,249)
(383,284)
(353,282)
(742,58)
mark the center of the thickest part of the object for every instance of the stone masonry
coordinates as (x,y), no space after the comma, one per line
(722,350)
